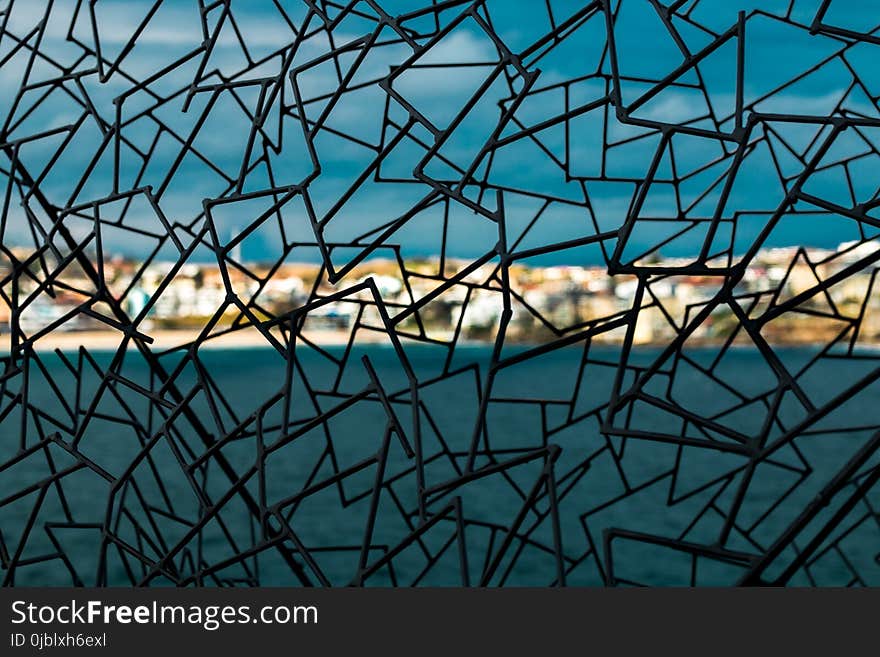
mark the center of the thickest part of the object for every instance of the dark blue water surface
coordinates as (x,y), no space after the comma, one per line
(648,487)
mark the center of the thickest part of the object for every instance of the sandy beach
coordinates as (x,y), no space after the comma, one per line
(165,339)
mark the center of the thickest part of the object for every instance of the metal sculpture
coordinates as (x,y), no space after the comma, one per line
(339,132)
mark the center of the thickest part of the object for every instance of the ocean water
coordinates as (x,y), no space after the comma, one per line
(644,487)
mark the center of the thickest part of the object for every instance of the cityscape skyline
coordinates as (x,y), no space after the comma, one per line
(183,298)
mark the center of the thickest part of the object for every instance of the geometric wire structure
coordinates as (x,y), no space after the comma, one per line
(492,135)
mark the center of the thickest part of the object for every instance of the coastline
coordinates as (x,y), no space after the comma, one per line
(170,339)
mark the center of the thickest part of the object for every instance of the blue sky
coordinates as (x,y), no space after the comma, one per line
(530,174)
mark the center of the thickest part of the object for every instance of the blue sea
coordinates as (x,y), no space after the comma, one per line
(643,486)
